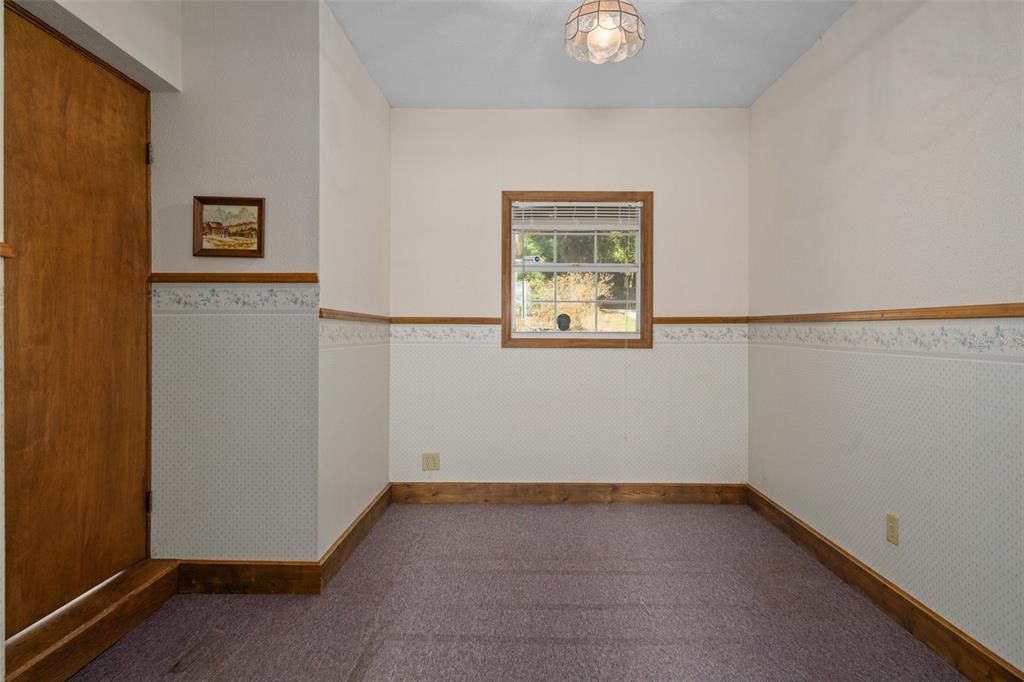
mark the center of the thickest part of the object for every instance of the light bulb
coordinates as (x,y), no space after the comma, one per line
(603,43)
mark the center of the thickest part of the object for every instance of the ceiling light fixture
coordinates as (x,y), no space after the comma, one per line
(604,31)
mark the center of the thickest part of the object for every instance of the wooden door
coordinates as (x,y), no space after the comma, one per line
(76,321)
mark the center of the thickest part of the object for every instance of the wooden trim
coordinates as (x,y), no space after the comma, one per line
(249,577)
(331,314)
(234,277)
(944,312)
(6,250)
(567,493)
(721,319)
(58,647)
(970,657)
(446,320)
(646,339)
(338,553)
(33,19)
(950,312)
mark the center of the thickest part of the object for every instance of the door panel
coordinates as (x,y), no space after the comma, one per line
(76,316)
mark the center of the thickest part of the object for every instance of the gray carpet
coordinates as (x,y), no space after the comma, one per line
(595,592)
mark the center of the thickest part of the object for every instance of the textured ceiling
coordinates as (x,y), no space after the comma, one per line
(509,54)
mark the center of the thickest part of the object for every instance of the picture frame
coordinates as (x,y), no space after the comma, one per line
(228,226)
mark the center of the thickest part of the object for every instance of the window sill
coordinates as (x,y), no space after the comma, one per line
(644,341)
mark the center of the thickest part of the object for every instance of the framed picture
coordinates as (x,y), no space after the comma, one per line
(228,226)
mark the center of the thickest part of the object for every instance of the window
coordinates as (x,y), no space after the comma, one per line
(576,269)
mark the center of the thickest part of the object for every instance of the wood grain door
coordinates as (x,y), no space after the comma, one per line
(76,321)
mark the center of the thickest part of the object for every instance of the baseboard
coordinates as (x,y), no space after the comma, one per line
(281,577)
(336,556)
(249,577)
(58,647)
(971,658)
(568,493)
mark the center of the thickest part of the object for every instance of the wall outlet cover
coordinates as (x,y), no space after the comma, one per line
(892,528)
(431,461)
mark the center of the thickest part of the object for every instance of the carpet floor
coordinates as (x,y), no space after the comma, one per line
(560,592)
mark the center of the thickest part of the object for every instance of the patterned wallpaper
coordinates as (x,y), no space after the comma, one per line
(845,422)
(235,422)
(925,420)
(353,423)
(967,338)
(677,412)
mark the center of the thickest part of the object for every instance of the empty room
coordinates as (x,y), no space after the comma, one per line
(533,340)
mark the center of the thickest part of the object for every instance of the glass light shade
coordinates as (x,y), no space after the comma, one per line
(604,31)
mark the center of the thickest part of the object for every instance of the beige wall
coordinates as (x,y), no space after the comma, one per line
(244,124)
(448,168)
(141,39)
(352,465)
(887,163)
(355,151)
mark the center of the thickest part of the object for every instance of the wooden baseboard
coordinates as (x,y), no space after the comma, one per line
(968,656)
(571,493)
(249,577)
(335,557)
(59,647)
(281,577)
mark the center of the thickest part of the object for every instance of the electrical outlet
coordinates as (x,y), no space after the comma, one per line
(431,461)
(892,528)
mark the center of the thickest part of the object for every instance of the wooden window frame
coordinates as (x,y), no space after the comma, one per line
(646,339)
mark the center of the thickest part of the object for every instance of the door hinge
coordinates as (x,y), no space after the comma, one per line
(149,500)
(149,153)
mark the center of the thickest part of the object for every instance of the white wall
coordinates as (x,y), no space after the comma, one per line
(886,172)
(887,163)
(354,224)
(448,168)
(245,124)
(355,178)
(141,39)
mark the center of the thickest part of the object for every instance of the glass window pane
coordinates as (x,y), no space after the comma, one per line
(540,317)
(575,248)
(534,286)
(617,317)
(538,244)
(616,247)
(581,316)
(576,286)
(616,286)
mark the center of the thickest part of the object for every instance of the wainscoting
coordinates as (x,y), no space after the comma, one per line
(922,419)
(235,422)
(677,412)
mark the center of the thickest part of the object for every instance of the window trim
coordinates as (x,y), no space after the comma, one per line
(646,271)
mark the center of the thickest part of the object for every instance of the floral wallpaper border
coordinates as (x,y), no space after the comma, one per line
(1002,338)
(343,333)
(487,334)
(235,298)
(439,333)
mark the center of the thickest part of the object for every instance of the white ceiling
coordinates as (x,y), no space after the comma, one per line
(509,53)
